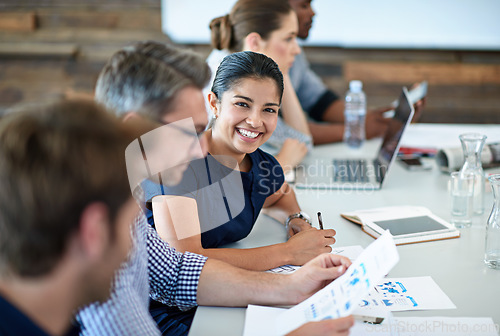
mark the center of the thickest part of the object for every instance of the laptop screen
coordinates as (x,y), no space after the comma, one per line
(392,139)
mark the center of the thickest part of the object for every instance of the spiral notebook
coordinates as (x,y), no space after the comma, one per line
(407,224)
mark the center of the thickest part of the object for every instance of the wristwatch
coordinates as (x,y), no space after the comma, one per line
(302,215)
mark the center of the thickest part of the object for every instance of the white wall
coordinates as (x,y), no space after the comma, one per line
(433,24)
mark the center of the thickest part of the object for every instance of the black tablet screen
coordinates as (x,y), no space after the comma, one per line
(402,226)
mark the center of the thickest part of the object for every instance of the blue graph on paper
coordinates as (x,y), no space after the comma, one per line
(390,294)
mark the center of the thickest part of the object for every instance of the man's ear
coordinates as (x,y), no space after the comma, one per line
(130,116)
(94,230)
(253,42)
(212,102)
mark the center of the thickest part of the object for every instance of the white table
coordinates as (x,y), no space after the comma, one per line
(456,265)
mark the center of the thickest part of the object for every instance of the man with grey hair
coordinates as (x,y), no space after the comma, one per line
(141,83)
(166,85)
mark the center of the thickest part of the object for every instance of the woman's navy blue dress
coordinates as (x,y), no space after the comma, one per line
(229,202)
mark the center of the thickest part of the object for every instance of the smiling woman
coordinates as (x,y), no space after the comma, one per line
(250,99)
(245,98)
(219,198)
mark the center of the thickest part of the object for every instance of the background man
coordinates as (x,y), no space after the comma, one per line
(321,103)
(65,213)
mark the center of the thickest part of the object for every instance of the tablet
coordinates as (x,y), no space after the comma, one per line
(414,95)
(411,225)
(407,230)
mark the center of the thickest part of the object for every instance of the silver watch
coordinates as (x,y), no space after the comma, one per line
(302,215)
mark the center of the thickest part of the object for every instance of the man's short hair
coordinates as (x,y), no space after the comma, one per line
(144,77)
(55,159)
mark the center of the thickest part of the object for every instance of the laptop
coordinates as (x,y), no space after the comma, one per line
(359,173)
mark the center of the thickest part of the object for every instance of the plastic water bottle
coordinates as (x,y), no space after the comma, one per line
(354,114)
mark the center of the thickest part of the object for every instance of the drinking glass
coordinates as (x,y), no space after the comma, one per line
(461,191)
(472,145)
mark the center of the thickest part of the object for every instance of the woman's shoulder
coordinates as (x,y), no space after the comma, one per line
(261,155)
(268,171)
(263,159)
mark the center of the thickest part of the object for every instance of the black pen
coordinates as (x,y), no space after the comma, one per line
(320,220)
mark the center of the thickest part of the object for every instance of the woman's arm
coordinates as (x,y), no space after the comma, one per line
(291,154)
(176,220)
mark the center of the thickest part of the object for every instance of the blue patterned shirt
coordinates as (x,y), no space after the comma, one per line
(154,269)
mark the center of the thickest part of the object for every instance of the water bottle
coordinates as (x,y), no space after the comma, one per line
(354,114)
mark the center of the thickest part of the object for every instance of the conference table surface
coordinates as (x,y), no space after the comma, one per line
(456,265)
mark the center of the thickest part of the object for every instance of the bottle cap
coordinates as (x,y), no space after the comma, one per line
(355,85)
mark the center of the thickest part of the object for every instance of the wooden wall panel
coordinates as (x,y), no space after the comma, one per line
(61,45)
(141,19)
(17,21)
(434,73)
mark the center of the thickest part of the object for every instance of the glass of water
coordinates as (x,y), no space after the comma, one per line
(461,191)
(492,251)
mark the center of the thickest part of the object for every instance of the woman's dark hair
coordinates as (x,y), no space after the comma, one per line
(245,64)
(247,16)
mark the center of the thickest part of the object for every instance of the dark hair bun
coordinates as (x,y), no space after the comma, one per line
(221,32)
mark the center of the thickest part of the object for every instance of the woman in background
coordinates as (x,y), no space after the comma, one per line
(270,28)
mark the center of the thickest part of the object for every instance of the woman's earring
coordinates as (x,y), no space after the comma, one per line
(212,121)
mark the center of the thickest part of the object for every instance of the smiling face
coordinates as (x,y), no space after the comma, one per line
(246,117)
(282,45)
(305,15)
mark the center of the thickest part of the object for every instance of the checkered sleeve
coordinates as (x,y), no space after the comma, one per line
(173,276)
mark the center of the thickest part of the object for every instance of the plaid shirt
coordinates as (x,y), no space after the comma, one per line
(153,268)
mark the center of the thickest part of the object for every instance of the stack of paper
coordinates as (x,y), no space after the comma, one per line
(342,296)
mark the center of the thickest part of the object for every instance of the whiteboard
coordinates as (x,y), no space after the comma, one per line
(419,24)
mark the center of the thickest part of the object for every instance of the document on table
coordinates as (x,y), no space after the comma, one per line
(259,321)
(400,294)
(342,296)
(351,252)
(427,326)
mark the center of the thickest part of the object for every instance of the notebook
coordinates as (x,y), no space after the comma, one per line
(360,173)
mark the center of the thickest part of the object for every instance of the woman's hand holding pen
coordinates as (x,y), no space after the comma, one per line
(297,225)
(308,243)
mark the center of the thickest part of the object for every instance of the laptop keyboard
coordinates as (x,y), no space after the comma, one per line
(350,171)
